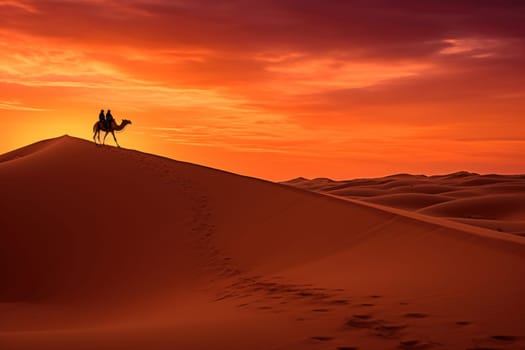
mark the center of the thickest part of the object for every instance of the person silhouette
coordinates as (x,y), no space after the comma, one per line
(109,119)
(102,117)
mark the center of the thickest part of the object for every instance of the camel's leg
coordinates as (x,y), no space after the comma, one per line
(105,135)
(95,135)
(114,138)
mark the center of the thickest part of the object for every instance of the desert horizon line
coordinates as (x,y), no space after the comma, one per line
(289,179)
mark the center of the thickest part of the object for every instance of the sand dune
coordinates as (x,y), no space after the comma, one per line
(503,206)
(106,248)
(490,201)
(409,201)
(512,226)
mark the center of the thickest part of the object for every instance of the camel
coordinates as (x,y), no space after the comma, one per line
(99,126)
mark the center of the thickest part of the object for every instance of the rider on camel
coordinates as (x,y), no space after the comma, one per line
(102,117)
(109,119)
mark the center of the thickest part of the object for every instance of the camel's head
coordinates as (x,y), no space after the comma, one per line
(126,121)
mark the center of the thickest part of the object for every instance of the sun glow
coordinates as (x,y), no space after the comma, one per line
(265,98)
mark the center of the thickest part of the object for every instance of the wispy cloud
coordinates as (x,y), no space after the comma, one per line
(309,74)
(18,106)
(18,4)
(31,63)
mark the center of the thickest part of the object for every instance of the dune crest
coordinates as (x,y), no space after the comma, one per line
(106,248)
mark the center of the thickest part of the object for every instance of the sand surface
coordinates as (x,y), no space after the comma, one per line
(105,248)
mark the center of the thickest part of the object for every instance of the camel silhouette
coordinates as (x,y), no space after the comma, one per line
(99,126)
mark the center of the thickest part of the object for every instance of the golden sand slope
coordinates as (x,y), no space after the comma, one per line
(105,248)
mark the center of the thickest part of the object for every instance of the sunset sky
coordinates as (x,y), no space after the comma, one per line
(275,88)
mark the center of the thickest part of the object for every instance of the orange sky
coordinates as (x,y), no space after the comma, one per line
(276,88)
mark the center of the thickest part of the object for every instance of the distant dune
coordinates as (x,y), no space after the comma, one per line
(496,202)
(106,248)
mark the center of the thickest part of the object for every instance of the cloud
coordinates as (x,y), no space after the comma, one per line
(372,28)
(32,63)
(18,106)
(17,5)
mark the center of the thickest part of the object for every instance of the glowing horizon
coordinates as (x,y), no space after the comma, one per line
(275,89)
